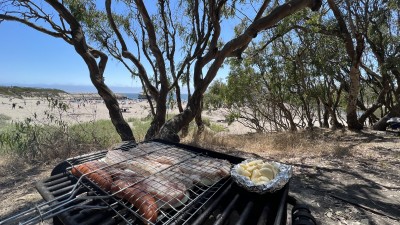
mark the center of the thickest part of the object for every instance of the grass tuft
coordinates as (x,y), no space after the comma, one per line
(139,127)
(4,120)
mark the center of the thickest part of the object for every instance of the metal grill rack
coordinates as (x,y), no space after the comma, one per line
(179,159)
(76,200)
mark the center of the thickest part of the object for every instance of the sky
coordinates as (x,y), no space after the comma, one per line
(28,57)
(31,58)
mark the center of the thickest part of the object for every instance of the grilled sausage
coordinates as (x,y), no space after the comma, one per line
(94,173)
(138,197)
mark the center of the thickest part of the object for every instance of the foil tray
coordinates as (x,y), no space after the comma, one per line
(279,181)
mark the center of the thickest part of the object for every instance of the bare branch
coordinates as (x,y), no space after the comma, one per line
(152,43)
(36,27)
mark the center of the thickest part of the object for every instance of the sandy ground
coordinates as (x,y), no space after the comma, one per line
(90,110)
(345,177)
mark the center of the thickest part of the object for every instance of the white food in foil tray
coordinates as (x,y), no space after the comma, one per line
(260,176)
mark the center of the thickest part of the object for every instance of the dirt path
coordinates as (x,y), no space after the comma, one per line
(358,183)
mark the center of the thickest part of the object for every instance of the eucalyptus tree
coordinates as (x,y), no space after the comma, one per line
(353,39)
(365,37)
(327,60)
(265,18)
(176,39)
(283,79)
(369,32)
(381,29)
(264,91)
(186,39)
(247,99)
(62,21)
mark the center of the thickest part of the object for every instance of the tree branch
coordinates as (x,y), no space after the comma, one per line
(36,27)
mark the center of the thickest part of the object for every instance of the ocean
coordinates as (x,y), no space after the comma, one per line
(184,97)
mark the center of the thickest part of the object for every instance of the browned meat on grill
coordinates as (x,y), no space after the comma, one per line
(169,193)
(94,170)
(126,175)
(138,197)
(118,158)
(145,166)
(175,174)
(170,156)
(149,147)
(208,170)
(166,174)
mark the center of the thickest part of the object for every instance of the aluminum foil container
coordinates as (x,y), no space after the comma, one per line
(282,177)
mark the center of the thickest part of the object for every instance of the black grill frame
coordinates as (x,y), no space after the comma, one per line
(229,205)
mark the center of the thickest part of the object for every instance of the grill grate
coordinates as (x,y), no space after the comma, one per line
(80,200)
(174,177)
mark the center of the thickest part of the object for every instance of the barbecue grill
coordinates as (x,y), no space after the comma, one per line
(73,200)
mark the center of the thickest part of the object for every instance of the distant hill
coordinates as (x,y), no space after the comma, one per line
(16,91)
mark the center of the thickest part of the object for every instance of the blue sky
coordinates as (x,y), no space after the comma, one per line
(31,58)
(28,57)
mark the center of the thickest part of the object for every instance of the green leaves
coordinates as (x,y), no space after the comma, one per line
(81,9)
(216,95)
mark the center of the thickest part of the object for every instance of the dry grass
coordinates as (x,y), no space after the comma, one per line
(317,142)
(361,166)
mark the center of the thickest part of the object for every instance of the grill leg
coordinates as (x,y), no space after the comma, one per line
(301,215)
(284,216)
(57,221)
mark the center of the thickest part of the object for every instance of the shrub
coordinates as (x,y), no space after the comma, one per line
(4,120)
(139,127)
(44,142)
(102,133)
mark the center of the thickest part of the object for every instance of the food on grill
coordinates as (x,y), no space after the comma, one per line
(169,193)
(93,170)
(257,171)
(169,156)
(120,157)
(175,174)
(153,179)
(127,175)
(145,166)
(138,197)
(204,170)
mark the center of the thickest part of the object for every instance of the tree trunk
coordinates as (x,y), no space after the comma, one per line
(169,131)
(381,124)
(351,111)
(326,117)
(288,116)
(319,112)
(122,127)
(335,123)
(185,129)
(96,70)
(199,120)
(159,119)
